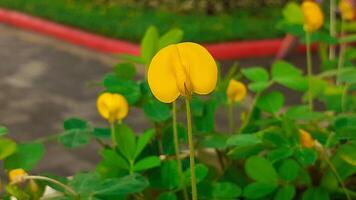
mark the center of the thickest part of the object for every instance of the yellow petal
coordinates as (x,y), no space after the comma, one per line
(306,139)
(17,175)
(112,107)
(346,9)
(236,91)
(181,69)
(313,16)
(201,67)
(161,74)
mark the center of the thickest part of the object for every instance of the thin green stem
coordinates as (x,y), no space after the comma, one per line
(332,28)
(340,64)
(231,117)
(191,150)
(66,187)
(336,174)
(310,70)
(177,151)
(249,115)
(344,97)
(113,135)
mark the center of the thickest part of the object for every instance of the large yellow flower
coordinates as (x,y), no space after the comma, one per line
(306,139)
(17,175)
(236,91)
(112,107)
(346,9)
(313,16)
(181,69)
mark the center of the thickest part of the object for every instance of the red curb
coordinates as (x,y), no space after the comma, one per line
(220,51)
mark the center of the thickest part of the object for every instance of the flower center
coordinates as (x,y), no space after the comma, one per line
(181,70)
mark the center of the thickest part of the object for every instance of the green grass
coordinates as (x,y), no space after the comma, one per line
(129,23)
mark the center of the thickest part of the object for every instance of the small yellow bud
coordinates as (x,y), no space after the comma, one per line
(236,91)
(306,139)
(313,16)
(17,175)
(112,107)
(346,9)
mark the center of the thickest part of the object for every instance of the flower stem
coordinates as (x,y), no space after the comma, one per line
(336,174)
(113,134)
(177,151)
(310,71)
(231,117)
(66,187)
(191,151)
(249,115)
(332,28)
(341,60)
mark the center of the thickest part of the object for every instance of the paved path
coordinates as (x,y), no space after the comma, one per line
(44,81)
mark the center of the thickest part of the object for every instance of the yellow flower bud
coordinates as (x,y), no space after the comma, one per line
(112,107)
(306,139)
(17,175)
(181,69)
(313,16)
(33,186)
(236,91)
(346,9)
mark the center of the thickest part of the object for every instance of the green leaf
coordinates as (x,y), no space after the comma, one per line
(102,133)
(173,36)
(126,141)
(74,138)
(17,192)
(128,88)
(121,186)
(149,44)
(256,74)
(258,190)
(293,14)
(125,71)
(114,159)
(258,86)
(3,130)
(289,76)
(348,76)
(306,156)
(147,163)
(315,193)
(289,170)
(286,192)
(201,171)
(217,141)
(169,174)
(143,141)
(279,154)
(243,140)
(7,147)
(225,190)
(347,153)
(261,170)
(157,111)
(26,156)
(271,102)
(75,123)
(167,196)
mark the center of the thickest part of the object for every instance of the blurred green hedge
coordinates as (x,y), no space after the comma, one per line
(125,21)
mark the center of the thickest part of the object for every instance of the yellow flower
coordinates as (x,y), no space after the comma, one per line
(112,107)
(313,16)
(346,9)
(17,175)
(181,69)
(306,139)
(236,91)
